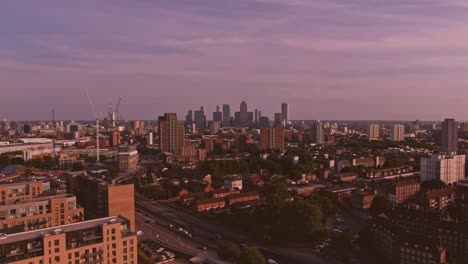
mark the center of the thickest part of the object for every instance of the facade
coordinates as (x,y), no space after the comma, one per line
(317,133)
(40,212)
(373,132)
(226,115)
(285,113)
(128,158)
(449,137)
(115,138)
(272,138)
(104,240)
(22,190)
(403,190)
(448,169)
(200,119)
(278,120)
(149,138)
(103,199)
(233,182)
(396,244)
(171,134)
(243,115)
(218,115)
(397,132)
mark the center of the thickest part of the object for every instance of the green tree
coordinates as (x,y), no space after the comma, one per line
(381,204)
(433,184)
(342,245)
(251,255)
(230,252)
(4,161)
(77,166)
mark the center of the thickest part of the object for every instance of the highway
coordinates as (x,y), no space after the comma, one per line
(165,214)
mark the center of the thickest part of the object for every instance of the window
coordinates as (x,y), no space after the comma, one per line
(56,242)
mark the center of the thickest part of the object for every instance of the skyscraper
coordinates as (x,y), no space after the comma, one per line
(226,115)
(218,115)
(272,138)
(278,120)
(397,132)
(285,113)
(171,133)
(200,119)
(373,132)
(189,118)
(449,137)
(243,115)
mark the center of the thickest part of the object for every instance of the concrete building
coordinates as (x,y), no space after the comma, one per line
(171,133)
(447,168)
(104,240)
(449,137)
(40,212)
(128,158)
(272,138)
(397,132)
(373,132)
(101,198)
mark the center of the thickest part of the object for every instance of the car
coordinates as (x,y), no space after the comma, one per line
(337,230)
(147,221)
(159,250)
(270,261)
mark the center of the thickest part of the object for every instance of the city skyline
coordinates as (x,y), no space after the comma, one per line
(364,60)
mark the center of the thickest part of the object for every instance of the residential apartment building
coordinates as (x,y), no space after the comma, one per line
(447,168)
(102,198)
(105,240)
(172,133)
(373,132)
(272,138)
(22,190)
(40,212)
(397,132)
(128,158)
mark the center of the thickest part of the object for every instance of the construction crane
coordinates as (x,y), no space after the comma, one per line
(97,124)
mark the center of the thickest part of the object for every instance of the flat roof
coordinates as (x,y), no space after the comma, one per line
(38,199)
(35,234)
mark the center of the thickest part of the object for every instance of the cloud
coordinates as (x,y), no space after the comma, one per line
(173,55)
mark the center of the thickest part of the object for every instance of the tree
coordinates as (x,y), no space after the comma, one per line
(342,245)
(381,204)
(251,255)
(433,184)
(230,252)
(4,161)
(77,166)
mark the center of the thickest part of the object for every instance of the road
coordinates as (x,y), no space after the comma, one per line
(203,230)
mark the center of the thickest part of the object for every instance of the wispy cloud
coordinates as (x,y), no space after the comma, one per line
(323,54)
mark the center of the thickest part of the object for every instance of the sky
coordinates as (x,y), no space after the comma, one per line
(329,59)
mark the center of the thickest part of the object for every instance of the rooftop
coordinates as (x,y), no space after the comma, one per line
(35,234)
